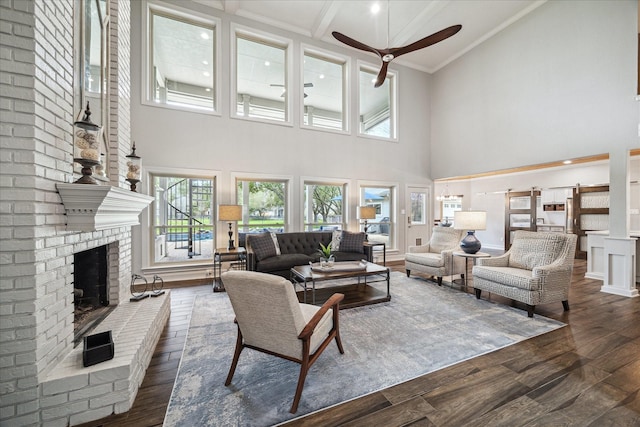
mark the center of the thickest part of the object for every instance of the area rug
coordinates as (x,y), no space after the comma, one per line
(423,328)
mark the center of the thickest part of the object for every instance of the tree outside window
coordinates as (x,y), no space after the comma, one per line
(323,206)
(265,205)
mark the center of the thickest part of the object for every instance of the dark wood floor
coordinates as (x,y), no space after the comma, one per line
(585,374)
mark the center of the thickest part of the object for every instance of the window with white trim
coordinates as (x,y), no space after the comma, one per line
(265,205)
(261,78)
(182,223)
(323,91)
(377,117)
(182,61)
(323,206)
(382,228)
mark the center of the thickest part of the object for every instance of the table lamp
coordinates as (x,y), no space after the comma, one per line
(230,213)
(366,213)
(470,221)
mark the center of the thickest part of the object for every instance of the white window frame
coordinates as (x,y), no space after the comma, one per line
(346,72)
(394,187)
(267,38)
(392,75)
(238,176)
(149,266)
(304,181)
(147,61)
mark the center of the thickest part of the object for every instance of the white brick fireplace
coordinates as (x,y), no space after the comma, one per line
(42,379)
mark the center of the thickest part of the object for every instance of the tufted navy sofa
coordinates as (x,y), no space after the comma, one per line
(299,248)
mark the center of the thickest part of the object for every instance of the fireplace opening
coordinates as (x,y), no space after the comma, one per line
(90,290)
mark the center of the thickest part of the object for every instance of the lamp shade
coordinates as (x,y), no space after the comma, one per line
(366,212)
(470,220)
(229,212)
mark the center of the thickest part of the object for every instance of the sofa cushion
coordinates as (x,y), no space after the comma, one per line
(530,250)
(262,246)
(352,242)
(425,258)
(283,262)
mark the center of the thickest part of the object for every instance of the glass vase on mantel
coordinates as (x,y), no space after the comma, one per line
(86,147)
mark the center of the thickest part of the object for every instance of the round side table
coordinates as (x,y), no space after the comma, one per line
(467,257)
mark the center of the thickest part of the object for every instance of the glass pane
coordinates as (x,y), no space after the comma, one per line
(418,208)
(264,205)
(183,224)
(93,47)
(183,63)
(594,222)
(323,207)
(376,117)
(449,206)
(523,202)
(520,220)
(261,80)
(379,229)
(323,93)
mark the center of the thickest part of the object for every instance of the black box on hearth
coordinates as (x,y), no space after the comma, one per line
(97,348)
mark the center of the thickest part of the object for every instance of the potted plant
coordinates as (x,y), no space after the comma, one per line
(326,257)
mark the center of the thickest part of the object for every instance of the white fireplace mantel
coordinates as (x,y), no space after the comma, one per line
(101,207)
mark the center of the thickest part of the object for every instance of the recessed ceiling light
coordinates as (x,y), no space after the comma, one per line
(206,74)
(567,162)
(204,36)
(321,76)
(267,63)
(375,8)
(205,62)
(208,89)
(373,80)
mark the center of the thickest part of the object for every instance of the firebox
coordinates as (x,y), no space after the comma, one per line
(90,291)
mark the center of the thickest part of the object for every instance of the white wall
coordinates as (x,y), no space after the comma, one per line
(226,146)
(559,83)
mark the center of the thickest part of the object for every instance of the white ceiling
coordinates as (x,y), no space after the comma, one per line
(409,21)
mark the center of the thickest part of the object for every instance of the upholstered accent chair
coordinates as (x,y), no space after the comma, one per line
(271,320)
(436,257)
(535,270)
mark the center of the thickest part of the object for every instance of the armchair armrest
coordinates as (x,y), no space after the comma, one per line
(558,266)
(419,249)
(499,261)
(333,302)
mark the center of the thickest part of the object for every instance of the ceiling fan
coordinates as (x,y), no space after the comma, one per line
(285,91)
(390,53)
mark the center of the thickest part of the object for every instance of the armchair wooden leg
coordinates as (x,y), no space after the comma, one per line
(565,305)
(478,293)
(408,273)
(304,369)
(439,281)
(236,356)
(530,309)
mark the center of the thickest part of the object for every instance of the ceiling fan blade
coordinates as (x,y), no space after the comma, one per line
(354,43)
(308,85)
(382,74)
(276,85)
(427,41)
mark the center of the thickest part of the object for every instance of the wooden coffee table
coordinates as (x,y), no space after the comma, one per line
(356,294)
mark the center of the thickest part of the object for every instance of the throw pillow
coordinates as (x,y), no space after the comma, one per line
(352,242)
(275,243)
(262,246)
(335,240)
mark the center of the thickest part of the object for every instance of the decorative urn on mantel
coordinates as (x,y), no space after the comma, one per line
(86,146)
(101,207)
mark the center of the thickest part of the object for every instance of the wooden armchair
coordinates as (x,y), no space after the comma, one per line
(271,320)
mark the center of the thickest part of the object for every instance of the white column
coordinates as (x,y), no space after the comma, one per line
(619,249)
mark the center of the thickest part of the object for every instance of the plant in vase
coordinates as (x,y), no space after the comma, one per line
(326,257)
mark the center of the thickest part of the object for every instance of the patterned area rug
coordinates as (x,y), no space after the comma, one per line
(423,328)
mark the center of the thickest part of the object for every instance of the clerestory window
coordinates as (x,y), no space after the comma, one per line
(377,115)
(323,91)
